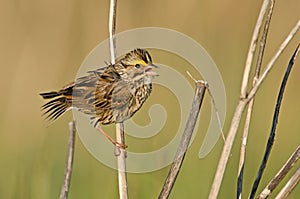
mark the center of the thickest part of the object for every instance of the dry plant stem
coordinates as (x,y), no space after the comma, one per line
(185,140)
(237,116)
(112,30)
(227,148)
(68,170)
(120,153)
(216,110)
(240,107)
(121,158)
(280,175)
(290,185)
(274,124)
(213,103)
(243,149)
(264,39)
(251,103)
(274,58)
(252,48)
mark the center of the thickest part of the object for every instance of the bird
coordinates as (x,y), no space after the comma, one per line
(110,94)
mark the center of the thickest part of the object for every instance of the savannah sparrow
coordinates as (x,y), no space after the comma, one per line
(107,95)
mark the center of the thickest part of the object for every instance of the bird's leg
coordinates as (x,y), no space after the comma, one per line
(117,144)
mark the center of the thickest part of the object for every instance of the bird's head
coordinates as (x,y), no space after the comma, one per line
(137,64)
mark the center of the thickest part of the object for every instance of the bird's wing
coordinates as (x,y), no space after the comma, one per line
(86,89)
(112,95)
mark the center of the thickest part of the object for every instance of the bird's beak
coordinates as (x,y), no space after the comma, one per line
(149,71)
(155,66)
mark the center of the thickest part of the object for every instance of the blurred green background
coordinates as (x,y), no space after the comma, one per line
(42,46)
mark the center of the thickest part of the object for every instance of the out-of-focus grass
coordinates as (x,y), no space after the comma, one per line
(43,44)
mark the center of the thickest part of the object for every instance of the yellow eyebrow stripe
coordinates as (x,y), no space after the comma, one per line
(141,62)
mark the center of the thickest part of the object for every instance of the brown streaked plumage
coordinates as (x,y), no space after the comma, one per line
(108,95)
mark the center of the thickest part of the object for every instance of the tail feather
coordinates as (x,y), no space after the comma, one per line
(53,102)
(57,106)
(50,95)
(57,112)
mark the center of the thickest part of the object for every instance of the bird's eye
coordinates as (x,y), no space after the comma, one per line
(137,65)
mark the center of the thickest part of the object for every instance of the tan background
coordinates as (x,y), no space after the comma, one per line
(42,46)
